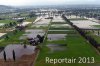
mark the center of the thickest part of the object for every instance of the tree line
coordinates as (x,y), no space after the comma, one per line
(90,39)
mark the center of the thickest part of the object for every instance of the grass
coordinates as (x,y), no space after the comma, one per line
(76,46)
(13,39)
(97,38)
(58,23)
(7,21)
(30,19)
(57,42)
(62,32)
(97,26)
(62,28)
(24,14)
(41,27)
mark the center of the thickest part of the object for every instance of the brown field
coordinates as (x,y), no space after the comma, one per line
(25,60)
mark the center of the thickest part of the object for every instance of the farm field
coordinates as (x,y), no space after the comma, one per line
(62,44)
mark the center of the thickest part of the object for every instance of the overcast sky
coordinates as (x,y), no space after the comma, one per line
(46,2)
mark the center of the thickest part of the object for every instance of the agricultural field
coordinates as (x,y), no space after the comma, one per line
(62,43)
(58,39)
(49,33)
(10,35)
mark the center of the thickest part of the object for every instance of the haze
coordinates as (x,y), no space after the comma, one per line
(46,2)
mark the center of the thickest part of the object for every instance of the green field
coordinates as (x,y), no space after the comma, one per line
(7,21)
(60,28)
(62,32)
(13,37)
(76,46)
(97,26)
(93,35)
(30,19)
(58,23)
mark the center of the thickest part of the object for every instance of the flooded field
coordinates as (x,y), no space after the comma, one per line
(19,51)
(84,23)
(57,19)
(56,47)
(72,17)
(43,21)
(32,33)
(56,33)
(52,37)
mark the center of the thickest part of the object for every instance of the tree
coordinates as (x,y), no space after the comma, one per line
(7,37)
(14,57)
(10,24)
(14,23)
(25,42)
(4,55)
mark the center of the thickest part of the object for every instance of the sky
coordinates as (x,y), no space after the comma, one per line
(46,2)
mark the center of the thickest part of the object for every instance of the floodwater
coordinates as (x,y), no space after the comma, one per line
(60,25)
(72,17)
(19,51)
(43,22)
(32,33)
(2,24)
(58,19)
(57,47)
(52,37)
(84,23)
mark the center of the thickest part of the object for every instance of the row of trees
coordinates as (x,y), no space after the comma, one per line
(10,24)
(90,39)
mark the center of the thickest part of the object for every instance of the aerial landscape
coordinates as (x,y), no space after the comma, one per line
(50,33)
